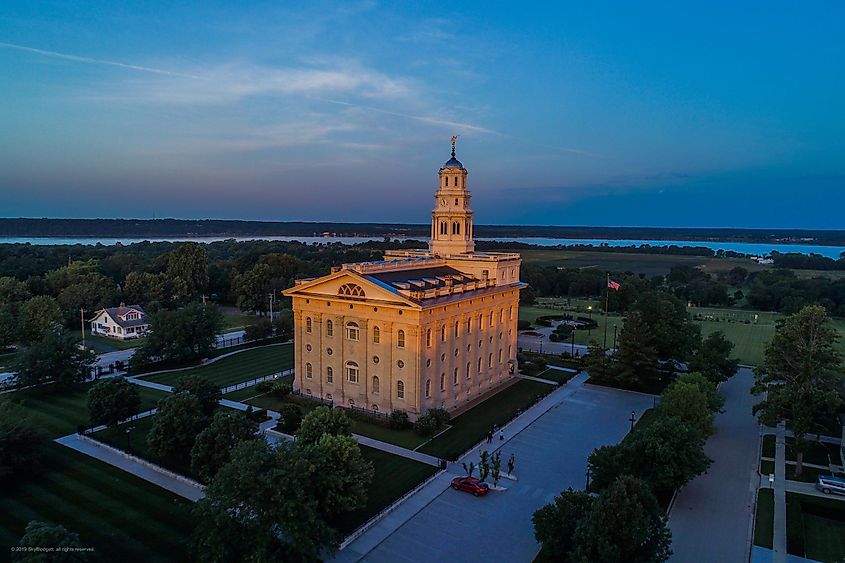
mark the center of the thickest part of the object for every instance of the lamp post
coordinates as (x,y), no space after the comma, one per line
(633,418)
(614,337)
(573,343)
(590,311)
(129,430)
(587,488)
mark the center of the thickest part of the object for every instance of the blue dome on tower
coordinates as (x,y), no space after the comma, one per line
(453,163)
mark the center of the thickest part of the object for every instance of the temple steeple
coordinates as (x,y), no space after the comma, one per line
(451,220)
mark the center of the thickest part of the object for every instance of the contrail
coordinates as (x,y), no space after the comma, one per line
(90,60)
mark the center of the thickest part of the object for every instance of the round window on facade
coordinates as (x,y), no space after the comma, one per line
(442,357)
(375,359)
(308,347)
(428,363)
(329,351)
(469,347)
(400,363)
(456,352)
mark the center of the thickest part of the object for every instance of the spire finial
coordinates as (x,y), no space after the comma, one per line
(454,140)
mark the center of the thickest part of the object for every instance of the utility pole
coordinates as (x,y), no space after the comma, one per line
(271,307)
(82,324)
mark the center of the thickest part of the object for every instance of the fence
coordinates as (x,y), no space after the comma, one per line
(82,429)
(251,382)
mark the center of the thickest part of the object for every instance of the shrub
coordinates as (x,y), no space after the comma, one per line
(432,421)
(259,330)
(281,389)
(543,322)
(398,419)
(291,418)
(265,386)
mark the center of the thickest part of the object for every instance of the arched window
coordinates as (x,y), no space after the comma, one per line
(428,338)
(309,371)
(442,381)
(456,201)
(480,322)
(376,335)
(490,360)
(351,289)
(400,389)
(456,329)
(443,333)
(455,377)
(307,324)
(400,339)
(502,316)
(352,372)
(500,355)
(428,388)
(329,328)
(352,331)
(375,386)
(491,318)
(444,228)
(469,325)
(329,375)
(479,365)
(468,374)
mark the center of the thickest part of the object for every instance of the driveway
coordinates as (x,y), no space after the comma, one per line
(551,455)
(712,515)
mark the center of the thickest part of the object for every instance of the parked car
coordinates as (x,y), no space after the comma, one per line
(470,485)
(828,484)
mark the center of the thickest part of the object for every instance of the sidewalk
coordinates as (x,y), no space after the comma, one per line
(779,534)
(397,450)
(181,487)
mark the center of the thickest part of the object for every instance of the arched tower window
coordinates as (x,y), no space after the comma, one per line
(329,328)
(376,383)
(444,228)
(442,381)
(400,389)
(307,324)
(428,338)
(400,339)
(329,375)
(309,371)
(428,388)
(376,335)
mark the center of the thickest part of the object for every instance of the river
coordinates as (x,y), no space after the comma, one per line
(753,248)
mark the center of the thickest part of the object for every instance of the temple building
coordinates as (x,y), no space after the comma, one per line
(418,330)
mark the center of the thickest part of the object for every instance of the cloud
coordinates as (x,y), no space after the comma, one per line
(90,60)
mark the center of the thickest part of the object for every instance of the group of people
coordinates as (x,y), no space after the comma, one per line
(491,432)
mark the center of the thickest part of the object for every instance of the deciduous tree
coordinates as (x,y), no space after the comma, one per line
(42,542)
(39,316)
(20,442)
(208,393)
(323,420)
(185,334)
(555,523)
(55,358)
(713,358)
(175,427)
(112,400)
(187,270)
(213,446)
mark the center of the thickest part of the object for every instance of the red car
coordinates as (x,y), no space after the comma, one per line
(470,485)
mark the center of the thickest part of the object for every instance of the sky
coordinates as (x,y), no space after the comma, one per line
(715,114)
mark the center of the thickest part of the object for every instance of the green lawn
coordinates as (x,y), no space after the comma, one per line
(556,375)
(531,313)
(123,517)
(135,442)
(235,321)
(404,438)
(470,427)
(767,467)
(394,476)
(60,413)
(243,366)
(815,527)
(101,344)
(808,474)
(764,519)
(768,445)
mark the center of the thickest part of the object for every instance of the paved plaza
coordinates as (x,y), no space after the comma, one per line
(551,455)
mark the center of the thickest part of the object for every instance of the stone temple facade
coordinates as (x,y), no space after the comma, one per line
(420,329)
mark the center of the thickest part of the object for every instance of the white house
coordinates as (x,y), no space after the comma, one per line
(122,322)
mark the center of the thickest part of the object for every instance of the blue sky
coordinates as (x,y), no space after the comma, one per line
(657,114)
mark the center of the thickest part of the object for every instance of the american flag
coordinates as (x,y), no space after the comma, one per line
(613,285)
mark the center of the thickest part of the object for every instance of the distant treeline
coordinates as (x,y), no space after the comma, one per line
(21,227)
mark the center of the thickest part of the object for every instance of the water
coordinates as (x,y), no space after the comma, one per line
(753,248)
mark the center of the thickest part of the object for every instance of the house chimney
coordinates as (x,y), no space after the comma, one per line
(122,304)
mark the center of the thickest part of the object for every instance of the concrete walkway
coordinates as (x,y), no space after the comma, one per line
(181,487)
(397,450)
(438,524)
(538,379)
(779,534)
(712,517)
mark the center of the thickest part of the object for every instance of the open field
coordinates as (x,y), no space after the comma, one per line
(235,321)
(101,344)
(243,366)
(815,527)
(470,427)
(394,476)
(58,414)
(649,264)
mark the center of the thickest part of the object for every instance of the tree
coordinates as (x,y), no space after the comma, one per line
(484,465)
(323,420)
(187,271)
(800,375)
(253,288)
(12,291)
(42,542)
(38,317)
(686,401)
(55,358)
(182,335)
(112,400)
(496,468)
(635,357)
(208,394)
(625,524)
(291,417)
(92,293)
(715,401)
(713,359)
(283,323)
(598,364)
(673,336)
(260,329)
(555,523)
(9,333)
(175,427)
(213,446)
(20,442)
(469,469)
(281,503)
(511,463)
(144,288)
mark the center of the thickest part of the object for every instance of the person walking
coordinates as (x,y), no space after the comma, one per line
(489,436)
(501,435)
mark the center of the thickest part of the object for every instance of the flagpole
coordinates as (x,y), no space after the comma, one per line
(606,303)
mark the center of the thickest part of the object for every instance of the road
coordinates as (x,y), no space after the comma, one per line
(712,515)
(551,455)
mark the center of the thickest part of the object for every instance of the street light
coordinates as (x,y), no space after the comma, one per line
(590,328)
(129,438)
(633,418)
(573,343)
(614,337)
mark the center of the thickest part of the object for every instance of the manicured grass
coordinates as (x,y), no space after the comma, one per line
(403,438)
(102,344)
(764,519)
(243,366)
(767,467)
(556,375)
(123,517)
(808,474)
(234,321)
(531,313)
(394,476)
(61,412)
(136,443)
(769,445)
(470,427)
(815,527)
(817,452)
